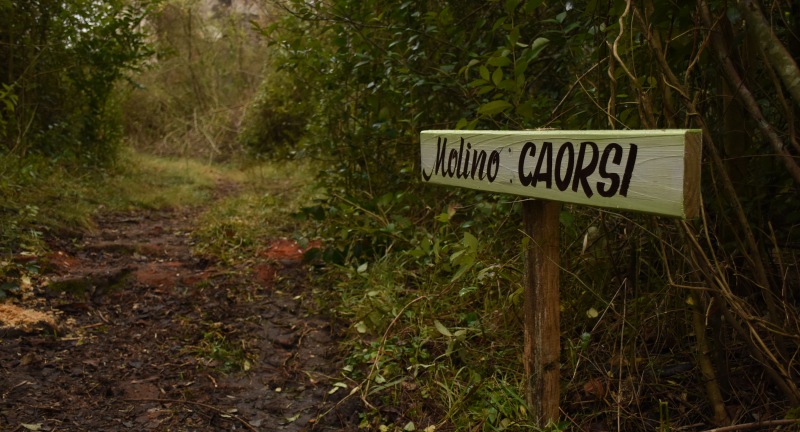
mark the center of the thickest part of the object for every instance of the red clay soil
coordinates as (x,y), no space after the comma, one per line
(148,337)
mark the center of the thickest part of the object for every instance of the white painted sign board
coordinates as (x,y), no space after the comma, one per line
(651,171)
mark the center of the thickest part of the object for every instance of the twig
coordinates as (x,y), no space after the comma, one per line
(745,426)
(572,87)
(379,354)
(363,387)
(200,404)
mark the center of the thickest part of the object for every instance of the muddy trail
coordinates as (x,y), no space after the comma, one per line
(141,335)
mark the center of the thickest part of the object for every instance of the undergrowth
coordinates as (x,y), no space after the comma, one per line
(240,226)
(434,301)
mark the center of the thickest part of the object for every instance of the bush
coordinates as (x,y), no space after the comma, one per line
(191,99)
(276,120)
(62,60)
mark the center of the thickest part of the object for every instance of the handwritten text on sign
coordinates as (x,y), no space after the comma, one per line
(653,171)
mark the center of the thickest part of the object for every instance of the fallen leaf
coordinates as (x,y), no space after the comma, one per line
(33,427)
(594,387)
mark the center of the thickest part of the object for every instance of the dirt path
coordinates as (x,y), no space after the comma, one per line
(152,338)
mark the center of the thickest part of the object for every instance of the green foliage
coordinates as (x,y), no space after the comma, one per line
(9,101)
(218,350)
(37,197)
(192,98)
(240,227)
(430,277)
(62,61)
(276,120)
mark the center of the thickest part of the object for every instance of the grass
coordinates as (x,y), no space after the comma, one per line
(40,196)
(234,230)
(151,182)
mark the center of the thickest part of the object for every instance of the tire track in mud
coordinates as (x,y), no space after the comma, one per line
(152,338)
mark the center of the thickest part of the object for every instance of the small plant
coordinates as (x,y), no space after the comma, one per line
(223,353)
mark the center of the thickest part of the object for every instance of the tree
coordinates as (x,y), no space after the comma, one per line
(59,63)
(378,73)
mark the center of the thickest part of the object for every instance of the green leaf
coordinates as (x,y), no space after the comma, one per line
(537,46)
(531,5)
(511,5)
(466,290)
(494,107)
(485,89)
(484,71)
(441,328)
(478,82)
(466,68)
(497,76)
(336,387)
(507,84)
(470,242)
(499,23)
(525,111)
(499,61)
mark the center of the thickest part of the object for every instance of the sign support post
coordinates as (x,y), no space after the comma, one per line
(649,171)
(542,309)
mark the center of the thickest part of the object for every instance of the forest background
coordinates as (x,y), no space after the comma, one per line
(665,325)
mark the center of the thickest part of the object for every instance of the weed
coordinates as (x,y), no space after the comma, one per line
(217,349)
(239,227)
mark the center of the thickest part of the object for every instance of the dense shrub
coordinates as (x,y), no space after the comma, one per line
(191,99)
(59,64)
(433,270)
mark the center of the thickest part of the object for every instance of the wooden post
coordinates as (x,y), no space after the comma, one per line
(542,308)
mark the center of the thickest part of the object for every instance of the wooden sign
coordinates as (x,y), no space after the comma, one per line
(651,171)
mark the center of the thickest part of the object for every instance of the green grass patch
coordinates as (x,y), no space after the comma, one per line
(226,355)
(39,195)
(239,226)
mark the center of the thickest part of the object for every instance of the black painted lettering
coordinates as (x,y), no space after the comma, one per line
(451,170)
(626,179)
(527,178)
(494,162)
(465,172)
(562,183)
(478,163)
(545,157)
(613,177)
(440,150)
(582,172)
(460,158)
